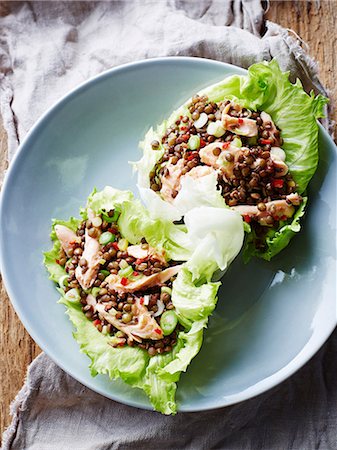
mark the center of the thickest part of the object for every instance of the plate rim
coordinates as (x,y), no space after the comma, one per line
(259,388)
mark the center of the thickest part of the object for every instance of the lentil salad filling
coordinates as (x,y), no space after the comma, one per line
(243,147)
(124,289)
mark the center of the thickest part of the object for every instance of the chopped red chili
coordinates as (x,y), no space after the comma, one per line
(190,157)
(135,273)
(96,322)
(124,281)
(183,128)
(141,300)
(278,183)
(57,261)
(247,218)
(158,330)
(185,137)
(202,143)
(139,261)
(226,145)
(115,245)
(266,141)
(240,121)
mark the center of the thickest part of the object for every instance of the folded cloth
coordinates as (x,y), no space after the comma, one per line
(46,49)
(55,412)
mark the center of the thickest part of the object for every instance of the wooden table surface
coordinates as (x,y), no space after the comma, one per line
(316,26)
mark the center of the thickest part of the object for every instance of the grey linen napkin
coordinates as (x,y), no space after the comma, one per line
(47,48)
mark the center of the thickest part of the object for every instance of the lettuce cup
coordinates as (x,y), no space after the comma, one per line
(249,143)
(139,290)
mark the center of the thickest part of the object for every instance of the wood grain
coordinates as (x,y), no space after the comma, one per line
(316,26)
(17,349)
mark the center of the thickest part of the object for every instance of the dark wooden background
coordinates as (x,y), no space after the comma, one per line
(314,24)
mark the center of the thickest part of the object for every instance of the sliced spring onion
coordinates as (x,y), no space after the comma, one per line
(105,329)
(166,289)
(63,281)
(95,291)
(123,245)
(160,310)
(97,221)
(123,264)
(105,272)
(73,295)
(106,237)
(109,278)
(201,122)
(194,142)
(168,322)
(126,272)
(237,142)
(146,300)
(216,129)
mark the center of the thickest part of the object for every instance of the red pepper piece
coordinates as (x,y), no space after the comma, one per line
(247,218)
(96,322)
(135,273)
(278,183)
(190,157)
(141,300)
(157,330)
(202,143)
(115,245)
(240,121)
(226,145)
(183,128)
(124,281)
(266,141)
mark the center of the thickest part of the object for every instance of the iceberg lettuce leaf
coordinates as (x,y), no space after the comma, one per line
(128,363)
(192,302)
(217,234)
(209,240)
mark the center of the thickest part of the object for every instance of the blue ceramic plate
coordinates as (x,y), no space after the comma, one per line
(271,317)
